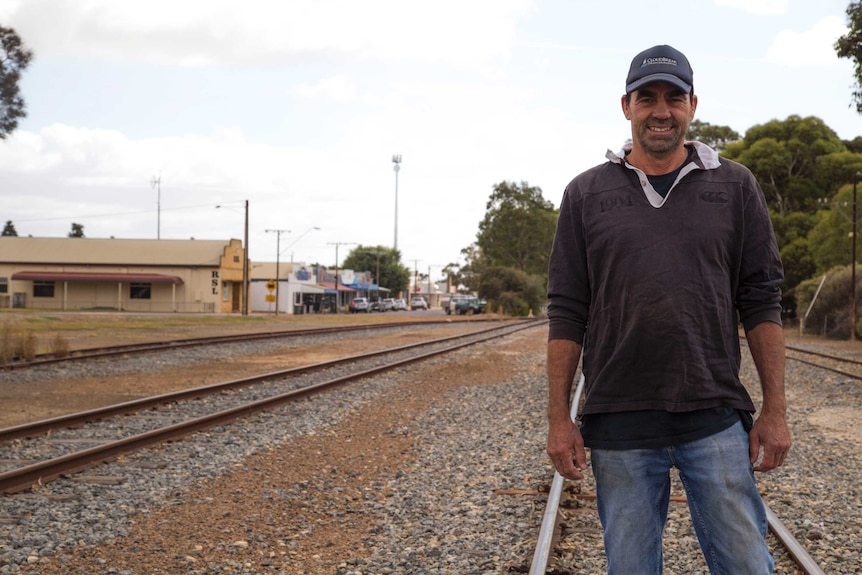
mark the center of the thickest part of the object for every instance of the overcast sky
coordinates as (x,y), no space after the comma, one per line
(297,106)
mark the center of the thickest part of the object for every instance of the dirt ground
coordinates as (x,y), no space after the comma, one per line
(22,404)
(50,398)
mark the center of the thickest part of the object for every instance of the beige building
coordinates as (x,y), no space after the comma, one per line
(204,276)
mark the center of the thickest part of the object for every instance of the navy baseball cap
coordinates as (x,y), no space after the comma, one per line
(660,64)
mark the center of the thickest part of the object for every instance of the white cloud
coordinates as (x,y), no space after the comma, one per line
(814,47)
(757,7)
(204,32)
(334,89)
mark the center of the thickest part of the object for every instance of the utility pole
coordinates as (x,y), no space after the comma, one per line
(244,305)
(336,244)
(853,258)
(377,254)
(245,277)
(277,260)
(396,161)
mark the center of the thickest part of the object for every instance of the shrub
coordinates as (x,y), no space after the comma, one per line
(830,314)
(26,346)
(7,353)
(59,346)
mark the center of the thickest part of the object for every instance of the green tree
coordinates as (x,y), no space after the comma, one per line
(14,59)
(830,314)
(518,228)
(791,232)
(392,275)
(837,169)
(830,239)
(9,229)
(783,155)
(77,231)
(850,46)
(467,275)
(854,145)
(512,291)
(717,137)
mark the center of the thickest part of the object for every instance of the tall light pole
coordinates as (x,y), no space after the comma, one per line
(396,161)
(156,184)
(277,260)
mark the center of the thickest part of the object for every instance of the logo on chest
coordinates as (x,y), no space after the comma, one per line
(608,204)
(714,197)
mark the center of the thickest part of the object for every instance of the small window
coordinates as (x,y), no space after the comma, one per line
(43,289)
(4,285)
(140,291)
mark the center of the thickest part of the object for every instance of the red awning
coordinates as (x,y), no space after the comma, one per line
(97,277)
(330,287)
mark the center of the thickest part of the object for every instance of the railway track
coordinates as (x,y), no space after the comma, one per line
(153,346)
(841,365)
(562,494)
(42,451)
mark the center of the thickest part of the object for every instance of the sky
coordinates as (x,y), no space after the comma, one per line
(143,116)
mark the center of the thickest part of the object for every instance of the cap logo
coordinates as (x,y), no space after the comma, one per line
(659,60)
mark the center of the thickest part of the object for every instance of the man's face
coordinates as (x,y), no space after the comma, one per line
(660,114)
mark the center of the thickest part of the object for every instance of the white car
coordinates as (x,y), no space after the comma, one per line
(418,302)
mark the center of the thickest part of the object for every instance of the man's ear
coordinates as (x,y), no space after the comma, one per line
(625,107)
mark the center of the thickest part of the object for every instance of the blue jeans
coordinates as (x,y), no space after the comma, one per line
(633,492)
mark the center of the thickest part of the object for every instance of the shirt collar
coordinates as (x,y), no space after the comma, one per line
(705,157)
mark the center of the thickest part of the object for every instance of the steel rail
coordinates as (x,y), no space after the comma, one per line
(34,428)
(550,520)
(824,355)
(836,358)
(803,560)
(827,368)
(144,347)
(551,517)
(43,472)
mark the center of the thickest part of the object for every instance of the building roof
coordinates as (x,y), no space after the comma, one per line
(90,251)
(96,277)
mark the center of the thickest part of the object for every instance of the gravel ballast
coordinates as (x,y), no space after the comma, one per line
(431,469)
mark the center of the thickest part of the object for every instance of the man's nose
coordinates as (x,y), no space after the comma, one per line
(661,110)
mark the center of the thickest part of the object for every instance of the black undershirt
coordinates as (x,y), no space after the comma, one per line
(651,429)
(662,183)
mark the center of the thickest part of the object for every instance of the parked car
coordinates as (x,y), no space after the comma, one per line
(360,304)
(400,305)
(376,305)
(467,305)
(418,302)
(388,304)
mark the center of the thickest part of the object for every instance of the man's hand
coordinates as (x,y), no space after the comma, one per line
(771,433)
(566,449)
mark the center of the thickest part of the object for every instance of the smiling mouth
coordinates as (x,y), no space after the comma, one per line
(660,129)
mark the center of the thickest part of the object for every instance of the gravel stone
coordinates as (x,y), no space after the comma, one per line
(436,468)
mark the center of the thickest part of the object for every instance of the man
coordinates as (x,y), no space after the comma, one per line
(658,255)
